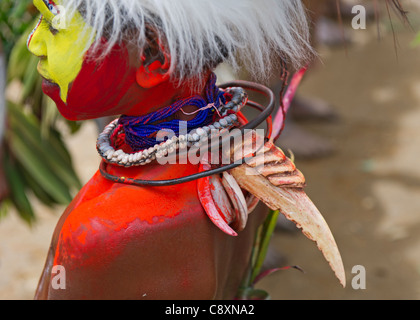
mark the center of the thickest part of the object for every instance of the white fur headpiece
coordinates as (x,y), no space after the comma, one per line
(199,33)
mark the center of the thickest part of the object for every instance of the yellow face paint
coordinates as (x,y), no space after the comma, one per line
(61,48)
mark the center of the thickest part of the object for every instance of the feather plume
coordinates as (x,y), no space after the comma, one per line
(199,34)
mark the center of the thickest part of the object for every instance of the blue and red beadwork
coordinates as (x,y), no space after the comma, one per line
(141,132)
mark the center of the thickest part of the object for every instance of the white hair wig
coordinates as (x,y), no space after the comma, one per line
(199,34)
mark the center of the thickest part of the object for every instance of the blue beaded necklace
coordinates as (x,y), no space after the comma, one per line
(140,132)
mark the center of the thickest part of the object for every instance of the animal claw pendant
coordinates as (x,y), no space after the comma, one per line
(224,201)
(272,178)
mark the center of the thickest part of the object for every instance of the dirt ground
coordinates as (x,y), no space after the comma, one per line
(368,190)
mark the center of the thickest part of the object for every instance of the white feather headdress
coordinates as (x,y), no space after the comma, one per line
(200,33)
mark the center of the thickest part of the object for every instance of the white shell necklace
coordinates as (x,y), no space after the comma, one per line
(196,137)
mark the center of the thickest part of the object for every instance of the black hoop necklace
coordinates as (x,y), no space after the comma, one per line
(265,115)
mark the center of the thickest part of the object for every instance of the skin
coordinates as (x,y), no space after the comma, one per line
(113,245)
(55,46)
(124,242)
(84,88)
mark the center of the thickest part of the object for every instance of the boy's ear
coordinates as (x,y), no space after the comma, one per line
(152,74)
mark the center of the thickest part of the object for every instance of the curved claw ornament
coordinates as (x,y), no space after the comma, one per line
(237,199)
(224,201)
(274,179)
(209,205)
(221,199)
(252,202)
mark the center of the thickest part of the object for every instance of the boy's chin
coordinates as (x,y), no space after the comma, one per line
(66,110)
(53,91)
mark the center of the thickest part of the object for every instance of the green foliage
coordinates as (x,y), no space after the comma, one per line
(15,18)
(35,160)
(416,41)
(259,253)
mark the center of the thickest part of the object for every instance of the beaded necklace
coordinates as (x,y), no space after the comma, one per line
(214,116)
(140,132)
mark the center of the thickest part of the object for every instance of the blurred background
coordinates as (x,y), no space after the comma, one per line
(354,129)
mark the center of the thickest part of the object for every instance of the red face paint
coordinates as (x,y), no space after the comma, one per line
(109,88)
(98,88)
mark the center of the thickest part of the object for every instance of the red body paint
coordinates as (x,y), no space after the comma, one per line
(113,212)
(119,241)
(126,242)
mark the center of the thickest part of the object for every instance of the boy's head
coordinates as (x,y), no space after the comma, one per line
(104,57)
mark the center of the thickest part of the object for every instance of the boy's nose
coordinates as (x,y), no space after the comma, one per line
(36,42)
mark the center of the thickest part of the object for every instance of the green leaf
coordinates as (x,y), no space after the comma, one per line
(36,188)
(20,57)
(39,169)
(4,208)
(258,255)
(416,41)
(253,294)
(57,161)
(18,192)
(20,9)
(30,77)
(266,234)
